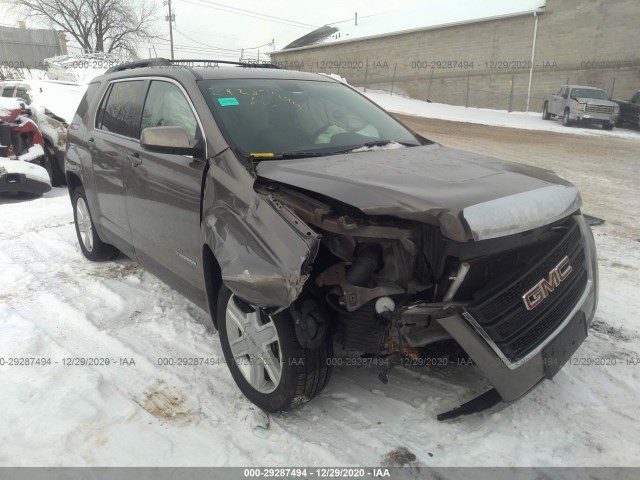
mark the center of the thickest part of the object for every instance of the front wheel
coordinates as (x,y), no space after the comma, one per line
(92,247)
(266,360)
(608,127)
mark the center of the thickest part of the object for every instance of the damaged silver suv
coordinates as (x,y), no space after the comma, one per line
(299,214)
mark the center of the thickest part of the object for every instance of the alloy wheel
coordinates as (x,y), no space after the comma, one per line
(84,224)
(255,346)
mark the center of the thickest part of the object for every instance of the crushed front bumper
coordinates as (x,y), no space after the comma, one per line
(513,377)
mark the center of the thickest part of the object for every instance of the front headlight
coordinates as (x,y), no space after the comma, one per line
(616,109)
(579,107)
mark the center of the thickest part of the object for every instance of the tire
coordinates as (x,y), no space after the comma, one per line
(92,247)
(607,127)
(565,118)
(303,373)
(545,112)
(50,163)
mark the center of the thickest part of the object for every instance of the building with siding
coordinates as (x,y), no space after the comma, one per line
(28,47)
(487,62)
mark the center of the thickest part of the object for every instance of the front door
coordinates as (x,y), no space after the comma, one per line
(163,195)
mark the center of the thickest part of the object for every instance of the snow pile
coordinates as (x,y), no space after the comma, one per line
(498,118)
(335,77)
(388,146)
(8,105)
(60,98)
(36,151)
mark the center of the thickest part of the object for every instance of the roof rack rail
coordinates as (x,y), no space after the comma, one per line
(150,62)
(163,62)
(250,64)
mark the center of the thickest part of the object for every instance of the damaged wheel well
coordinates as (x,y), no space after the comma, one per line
(212,280)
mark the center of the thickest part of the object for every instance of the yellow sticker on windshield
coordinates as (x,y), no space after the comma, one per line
(262,155)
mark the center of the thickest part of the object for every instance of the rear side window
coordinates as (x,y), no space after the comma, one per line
(8,92)
(122,108)
(83,107)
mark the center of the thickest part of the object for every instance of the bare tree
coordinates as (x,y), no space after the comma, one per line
(110,26)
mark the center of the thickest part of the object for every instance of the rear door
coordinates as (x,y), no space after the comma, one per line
(112,144)
(163,194)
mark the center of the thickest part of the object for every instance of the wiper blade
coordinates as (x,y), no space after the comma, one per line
(285,155)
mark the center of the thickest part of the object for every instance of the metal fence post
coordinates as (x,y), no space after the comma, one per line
(429,88)
(393,80)
(613,87)
(511,95)
(466,102)
(366,71)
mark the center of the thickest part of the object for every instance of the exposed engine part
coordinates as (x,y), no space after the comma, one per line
(352,296)
(457,281)
(365,264)
(321,215)
(362,330)
(385,304)
(310,321)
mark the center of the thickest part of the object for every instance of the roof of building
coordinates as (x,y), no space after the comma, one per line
(411,20)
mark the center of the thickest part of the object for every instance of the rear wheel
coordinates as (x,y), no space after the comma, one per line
(266,360)
(566,121)
(92,247)
(545,112)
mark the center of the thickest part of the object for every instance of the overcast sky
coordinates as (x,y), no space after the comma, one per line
(219,29)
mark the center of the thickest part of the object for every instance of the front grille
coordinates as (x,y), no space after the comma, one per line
(598,108)
(502,315)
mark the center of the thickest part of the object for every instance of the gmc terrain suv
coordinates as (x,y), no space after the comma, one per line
(299,213)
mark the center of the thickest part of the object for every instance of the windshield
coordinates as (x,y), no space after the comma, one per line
(272,116)
(589,93)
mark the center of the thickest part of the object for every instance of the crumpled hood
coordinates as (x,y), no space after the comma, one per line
(469,196)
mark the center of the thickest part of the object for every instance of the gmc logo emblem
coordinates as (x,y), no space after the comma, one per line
(544,287)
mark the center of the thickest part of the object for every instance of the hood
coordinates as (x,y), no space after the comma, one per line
(596,101)
(469,196)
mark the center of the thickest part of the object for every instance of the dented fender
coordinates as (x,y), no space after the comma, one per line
(263,249)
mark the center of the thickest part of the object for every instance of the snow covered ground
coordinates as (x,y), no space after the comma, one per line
(498,118)
(56,305)
(56,308)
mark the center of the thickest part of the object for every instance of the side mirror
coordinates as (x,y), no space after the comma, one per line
(565,96)
(172,140)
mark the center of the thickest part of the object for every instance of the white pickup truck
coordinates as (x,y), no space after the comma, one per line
(575,103)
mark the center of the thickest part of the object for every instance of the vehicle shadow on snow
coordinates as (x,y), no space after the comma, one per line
(8,198)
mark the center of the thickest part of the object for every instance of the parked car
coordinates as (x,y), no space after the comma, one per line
(52,105)
(298,212)
(575,103)
(20,151)
(630,111)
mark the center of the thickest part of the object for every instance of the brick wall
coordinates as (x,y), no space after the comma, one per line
(571,33)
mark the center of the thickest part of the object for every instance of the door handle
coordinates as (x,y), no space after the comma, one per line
(135,159)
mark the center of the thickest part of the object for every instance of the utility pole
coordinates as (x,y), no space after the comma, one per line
(171,18)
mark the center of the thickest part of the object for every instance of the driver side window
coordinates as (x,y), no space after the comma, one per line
(166,106)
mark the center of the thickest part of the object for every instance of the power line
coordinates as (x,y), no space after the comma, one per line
(206,45)
(257,13)
(290,23)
